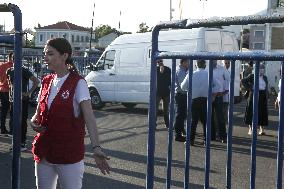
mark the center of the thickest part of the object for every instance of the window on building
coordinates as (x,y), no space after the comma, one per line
(64,35)
(77,38)
(82,38)
(258,46)
(51,36)
(258,33)
(72,38)
(40,37)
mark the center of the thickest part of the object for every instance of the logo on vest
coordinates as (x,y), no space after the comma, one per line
(65,94)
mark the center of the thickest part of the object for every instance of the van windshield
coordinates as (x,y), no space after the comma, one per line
(107,60)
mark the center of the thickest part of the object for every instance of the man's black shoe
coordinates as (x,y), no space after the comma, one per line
(180,138)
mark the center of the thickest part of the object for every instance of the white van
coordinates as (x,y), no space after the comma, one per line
(122,74)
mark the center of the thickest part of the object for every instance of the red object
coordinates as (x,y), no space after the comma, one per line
(63,140)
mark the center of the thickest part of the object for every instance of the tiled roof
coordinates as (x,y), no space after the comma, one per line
(64,25)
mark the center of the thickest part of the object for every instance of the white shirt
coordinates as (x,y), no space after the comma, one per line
(222,76)
(200,84)
(81,92)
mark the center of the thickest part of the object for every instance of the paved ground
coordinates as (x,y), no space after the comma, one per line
(124,136)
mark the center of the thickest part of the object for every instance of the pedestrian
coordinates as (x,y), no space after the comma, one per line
(63,110)
(226,64)
(199,98)
(181,101)
(163,89)
(218,119)
(26,94)
(4,93)
(248,83)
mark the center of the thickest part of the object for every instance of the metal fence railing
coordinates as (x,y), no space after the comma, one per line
(233,56)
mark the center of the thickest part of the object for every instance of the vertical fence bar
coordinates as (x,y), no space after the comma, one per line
(230,126)
(254,125)
(170,135)
(152,113)
(17,103)
(188,125)
(208,125)
(280,134)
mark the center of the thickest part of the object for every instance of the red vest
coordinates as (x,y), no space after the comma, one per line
(63,141)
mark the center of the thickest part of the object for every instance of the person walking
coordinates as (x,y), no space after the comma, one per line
(63,110)
(248,83)
(199,97)
(163,89)
(181,101)
(26,94)
(4,93)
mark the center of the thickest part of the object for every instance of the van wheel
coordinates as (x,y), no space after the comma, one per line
(96,99)
(129,105)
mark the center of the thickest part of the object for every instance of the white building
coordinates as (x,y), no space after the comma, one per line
(78,36)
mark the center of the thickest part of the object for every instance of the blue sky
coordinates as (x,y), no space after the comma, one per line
(133,12)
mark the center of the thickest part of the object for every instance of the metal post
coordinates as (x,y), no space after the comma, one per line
(254,125)
(92,29)
(208,125)
(280,134)
(170,137)
(230,125)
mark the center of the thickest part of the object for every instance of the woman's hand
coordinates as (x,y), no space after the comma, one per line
(35,126)
(101,160)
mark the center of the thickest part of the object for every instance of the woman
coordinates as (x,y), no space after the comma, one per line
(63,110)
(248,82)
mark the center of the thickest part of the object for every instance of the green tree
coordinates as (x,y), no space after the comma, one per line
(143,28)
(103,30)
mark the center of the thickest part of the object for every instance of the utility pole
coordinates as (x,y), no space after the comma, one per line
(92,28)
(171,10)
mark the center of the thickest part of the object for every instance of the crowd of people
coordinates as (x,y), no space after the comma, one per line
(220,98)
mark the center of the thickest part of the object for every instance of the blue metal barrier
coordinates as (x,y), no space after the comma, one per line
(16,39)
(233,56)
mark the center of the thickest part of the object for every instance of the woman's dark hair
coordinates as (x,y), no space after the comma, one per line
(62,45)
(10,56)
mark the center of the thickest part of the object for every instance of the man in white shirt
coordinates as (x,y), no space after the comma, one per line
(222,76)
(199,97)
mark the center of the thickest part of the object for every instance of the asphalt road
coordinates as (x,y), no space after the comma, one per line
(123,134)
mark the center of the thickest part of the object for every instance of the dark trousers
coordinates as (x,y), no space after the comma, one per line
(199,112)
(24,125)
(166,101)
(5,106)
(218,119)
(181,112)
